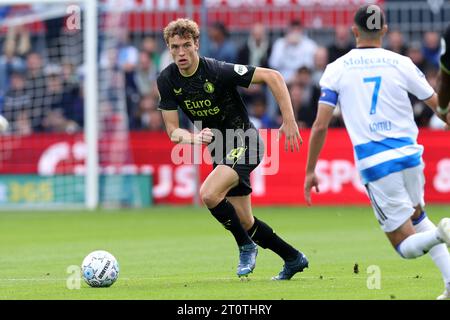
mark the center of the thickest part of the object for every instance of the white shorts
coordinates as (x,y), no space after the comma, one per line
(394,197)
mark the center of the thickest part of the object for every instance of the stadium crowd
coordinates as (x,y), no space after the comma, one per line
(43,92)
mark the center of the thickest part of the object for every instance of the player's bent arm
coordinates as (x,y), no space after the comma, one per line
(179,135)
(318,135)
(276,83)
(172,123)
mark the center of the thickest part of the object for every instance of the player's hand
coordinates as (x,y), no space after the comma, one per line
(293,138)
(310,182)
(204,137)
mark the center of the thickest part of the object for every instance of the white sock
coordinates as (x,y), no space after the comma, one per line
(418,244)
(438,253)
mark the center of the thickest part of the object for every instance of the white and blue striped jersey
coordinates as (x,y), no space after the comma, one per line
(371,86)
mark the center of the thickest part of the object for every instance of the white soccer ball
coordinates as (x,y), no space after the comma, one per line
(100,269)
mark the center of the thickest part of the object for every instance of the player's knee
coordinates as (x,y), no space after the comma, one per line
(210,199)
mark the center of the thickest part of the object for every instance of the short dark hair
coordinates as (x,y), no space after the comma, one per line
(365,20)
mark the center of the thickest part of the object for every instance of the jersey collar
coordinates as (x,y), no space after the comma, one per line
(190,75)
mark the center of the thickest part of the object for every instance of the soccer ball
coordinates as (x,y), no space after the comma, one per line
(100,269)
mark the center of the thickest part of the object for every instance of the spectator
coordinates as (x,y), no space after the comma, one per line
(18,39)
(148,117)
(342,43)
(127,61)
(292,51)
(150,46)
(396,42)
(320,63)
(259,116)
(4,11)
(311,92)
(145,74)
(8,63)
(75,110)
(256,50)
(35,76)
(155,122)
(17,104)
(304,113)
(221,47)
(69,76)
(57,103)
(415,53)
(127,55)
(431,48)
(36,87)
(53,28)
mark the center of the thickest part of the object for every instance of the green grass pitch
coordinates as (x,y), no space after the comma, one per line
(177,253)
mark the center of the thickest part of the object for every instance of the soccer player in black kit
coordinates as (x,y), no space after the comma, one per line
(205,90)
(443,89)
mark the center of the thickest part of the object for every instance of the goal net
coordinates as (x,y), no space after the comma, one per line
(64,95)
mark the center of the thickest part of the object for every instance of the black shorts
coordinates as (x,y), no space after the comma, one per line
(243,153)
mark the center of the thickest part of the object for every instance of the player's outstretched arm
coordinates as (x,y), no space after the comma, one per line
(316,141)
(179,135)
(280,91)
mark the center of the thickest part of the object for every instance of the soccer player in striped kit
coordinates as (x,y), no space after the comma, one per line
(371,85)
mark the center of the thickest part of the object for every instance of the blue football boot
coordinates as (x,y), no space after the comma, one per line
(290,268)
(247,259)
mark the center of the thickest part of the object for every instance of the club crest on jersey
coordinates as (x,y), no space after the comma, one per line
(208,87)
(177,91)
(240,69)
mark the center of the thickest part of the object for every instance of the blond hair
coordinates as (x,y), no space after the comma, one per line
(184,28)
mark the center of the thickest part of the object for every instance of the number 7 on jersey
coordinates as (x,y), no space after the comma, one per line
(376,89)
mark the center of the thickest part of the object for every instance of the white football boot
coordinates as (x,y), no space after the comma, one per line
(444,296)
(443,230)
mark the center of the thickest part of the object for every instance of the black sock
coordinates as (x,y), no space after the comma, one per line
(225,213)
(265,237)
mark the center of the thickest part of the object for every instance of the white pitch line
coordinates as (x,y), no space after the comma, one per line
(162,278)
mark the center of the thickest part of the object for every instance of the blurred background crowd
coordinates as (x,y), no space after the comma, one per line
(41,79)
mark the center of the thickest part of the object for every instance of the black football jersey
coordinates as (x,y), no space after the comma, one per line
(445,46)
(209,97)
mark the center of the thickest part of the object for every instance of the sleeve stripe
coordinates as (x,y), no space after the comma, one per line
(327,103)
(329,97)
